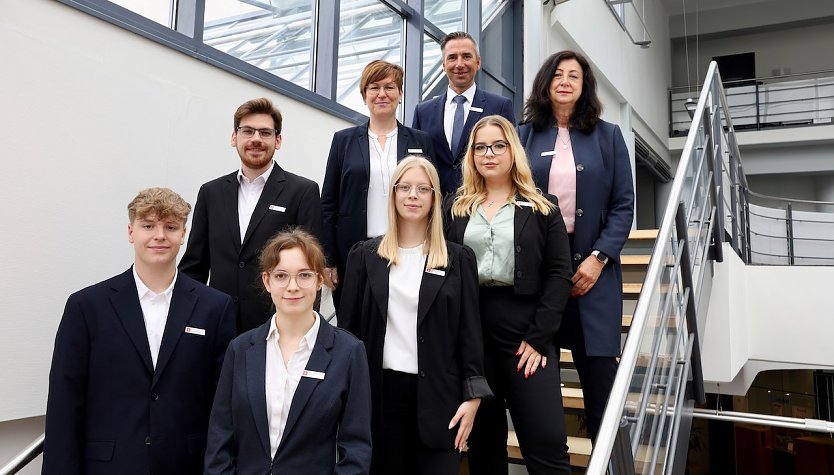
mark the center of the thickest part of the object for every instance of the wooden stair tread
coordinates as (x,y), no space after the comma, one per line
(635,259)
(643,234)
(579,449)
(573,398)
(632,289)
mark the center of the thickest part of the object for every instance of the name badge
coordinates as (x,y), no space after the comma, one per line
(277,208)
(524,203)
(439,272)
(195,331)
(548,153)
(307,373)
(475,109)
(415,150)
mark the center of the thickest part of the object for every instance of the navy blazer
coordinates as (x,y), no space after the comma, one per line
(604,213)
(344,193)
(328,428)
(428,117)
(542,264)
(215,253)
(109,411)
(449,339)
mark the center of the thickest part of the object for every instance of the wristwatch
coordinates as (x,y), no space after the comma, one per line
(600,256)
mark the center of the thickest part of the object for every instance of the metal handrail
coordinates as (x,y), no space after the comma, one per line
(820,73)
(20,460)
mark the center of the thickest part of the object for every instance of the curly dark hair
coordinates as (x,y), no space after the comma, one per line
(538,109)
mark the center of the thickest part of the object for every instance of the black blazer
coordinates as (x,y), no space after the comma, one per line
(215,253)
(604,213)
(542,264)
(344,194)
(450,343)
(109,411)
(428,117)
(328,427)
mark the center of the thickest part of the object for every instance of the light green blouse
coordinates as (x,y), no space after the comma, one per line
(492,243)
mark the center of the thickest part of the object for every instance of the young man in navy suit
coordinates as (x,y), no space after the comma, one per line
(449,118)
(137,358)
(238,213)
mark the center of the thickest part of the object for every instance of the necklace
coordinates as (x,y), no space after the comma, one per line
(565,143)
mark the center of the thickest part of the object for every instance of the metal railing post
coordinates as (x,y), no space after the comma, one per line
(789,232)
(691,312)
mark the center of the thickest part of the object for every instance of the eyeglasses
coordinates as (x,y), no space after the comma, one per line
(374,89)
(249,132)
(405,189)
(497,148)
(304,279)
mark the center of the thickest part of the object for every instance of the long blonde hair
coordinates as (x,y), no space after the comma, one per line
(473,191)
(435,246)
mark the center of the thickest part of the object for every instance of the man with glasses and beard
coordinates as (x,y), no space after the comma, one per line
(238,213)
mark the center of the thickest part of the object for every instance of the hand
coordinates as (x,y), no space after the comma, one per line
(586,276)
(530,359)
(333,274)
(466,416)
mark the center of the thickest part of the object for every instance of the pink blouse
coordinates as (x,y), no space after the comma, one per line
(562,179)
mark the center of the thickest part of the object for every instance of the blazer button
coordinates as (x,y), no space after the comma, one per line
(148,440)
(577,256)
(422,340)
(518,274)
(580,167)
(579,212)
(422,374)
(518,249)
(154,396)
(235,299)
(242,264)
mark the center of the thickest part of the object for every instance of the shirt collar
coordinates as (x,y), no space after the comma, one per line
(241,178)
(469,94)
(142,290)
(309,338)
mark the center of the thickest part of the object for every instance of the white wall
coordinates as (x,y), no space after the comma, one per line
(92,114)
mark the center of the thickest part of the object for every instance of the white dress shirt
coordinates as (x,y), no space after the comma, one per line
(383,162)
(399,352)
(281,380)
(248,194)
(449,114)
(155,309)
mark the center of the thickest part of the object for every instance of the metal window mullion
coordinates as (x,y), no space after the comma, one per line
(326,48)
(188,18)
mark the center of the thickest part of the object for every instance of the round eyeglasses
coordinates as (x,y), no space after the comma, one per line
(497,148)
(304,279)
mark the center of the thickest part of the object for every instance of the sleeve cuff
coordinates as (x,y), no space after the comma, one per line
(476,387)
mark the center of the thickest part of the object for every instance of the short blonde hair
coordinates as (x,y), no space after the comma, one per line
(472,192)
(435,246)
(162,203)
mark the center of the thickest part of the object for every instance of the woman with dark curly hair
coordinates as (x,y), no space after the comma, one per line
(583,160)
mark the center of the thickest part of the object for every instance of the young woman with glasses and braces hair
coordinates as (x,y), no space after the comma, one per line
(294,391)
(519,240)
(411,297)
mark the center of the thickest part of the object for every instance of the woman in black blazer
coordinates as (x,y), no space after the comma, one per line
(520,242)
(411,297)
(357,179)
(293,395)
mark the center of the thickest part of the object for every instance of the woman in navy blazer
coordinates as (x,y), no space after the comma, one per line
(359,167)
(412,299)
(584,161)
(521,246)
(293,395)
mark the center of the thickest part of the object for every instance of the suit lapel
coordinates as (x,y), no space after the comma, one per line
(125,302)
(429,286)
(403,138)
(256,383)
(459,228)
(478,101)
(541,163)
(378,271)
(182,305)
(229,198)
(319,361)
(522,213)
(272,189)
(364,149)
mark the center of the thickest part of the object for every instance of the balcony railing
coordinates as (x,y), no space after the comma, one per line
(778,101)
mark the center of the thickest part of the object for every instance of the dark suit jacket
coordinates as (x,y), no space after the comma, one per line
(450,343)
(344,194)
(109,411)
(428,117)
(215,253)
(329,418)
(542,265)
(604,213)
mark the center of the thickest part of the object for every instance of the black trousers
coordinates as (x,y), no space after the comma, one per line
(535,403)
(400,450)
(596,373)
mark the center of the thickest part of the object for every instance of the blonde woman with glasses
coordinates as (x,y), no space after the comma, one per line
(411,297)
(519,240)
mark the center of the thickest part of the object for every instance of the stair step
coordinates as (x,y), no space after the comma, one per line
(579,449)
(631,290)
(635,259)
(572,398)
(642,234)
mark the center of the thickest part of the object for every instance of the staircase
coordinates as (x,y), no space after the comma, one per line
(634,261)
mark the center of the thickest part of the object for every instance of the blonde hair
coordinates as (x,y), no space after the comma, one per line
(161,203)
(473,191)
(435,246)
